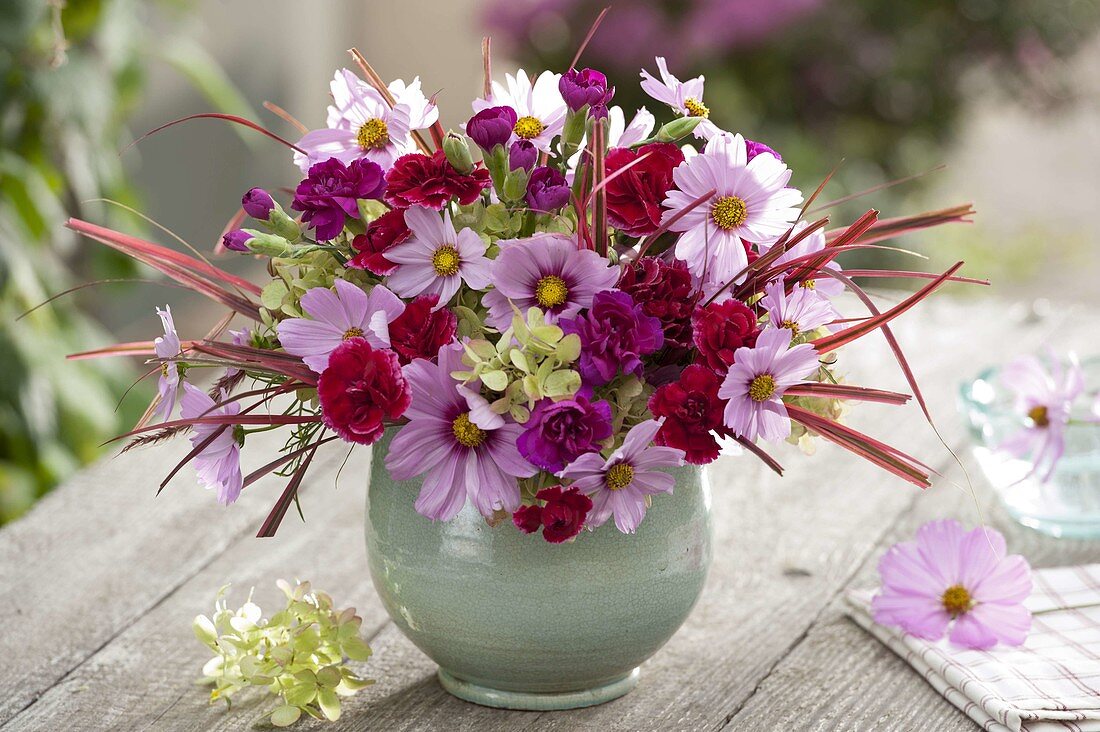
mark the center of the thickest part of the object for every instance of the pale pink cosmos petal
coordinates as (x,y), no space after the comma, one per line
(1008,582)
(481,413)
(639,436)
(601,507)
(772,421)
(422,111)
(940,543)
(444,491)
(218,466)
(588,465)
(167,346)
(312,340)
(505,453)
(320,145)
(653,482)
(1009,623)
(628,507)
(923,617)
(970,631)
(416,447)
(980,552)
(904,571)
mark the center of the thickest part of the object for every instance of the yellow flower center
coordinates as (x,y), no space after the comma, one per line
(695,108)
(762,388)
(466,432)
(619,476)
(528,127)
(1039,416)
(551,291)
(373,135)
(791,326)
(353,332)
(956,600)
(729,212)
(445,261)
(809,284)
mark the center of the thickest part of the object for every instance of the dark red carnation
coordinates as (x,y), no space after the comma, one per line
(666,292)
(387,231)
(361,388)
(692,411)
(562,517)
(419,332)
(528,519)
(721,328)
(419,180)
(634,197)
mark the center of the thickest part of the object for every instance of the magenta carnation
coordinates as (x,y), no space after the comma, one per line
(331,191)
(615,333)
(559,432)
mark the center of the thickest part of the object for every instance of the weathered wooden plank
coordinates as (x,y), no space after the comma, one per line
(840,678)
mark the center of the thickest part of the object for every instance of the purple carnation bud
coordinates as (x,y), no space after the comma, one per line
(491,127)
(587,86)
(258,204)
(559,432)
(547,189)
(522,154)
(756,148)
(331,191)
(237,240)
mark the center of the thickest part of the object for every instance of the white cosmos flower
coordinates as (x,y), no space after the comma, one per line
(539,107)
(685,97)
(361,123)
(751,203)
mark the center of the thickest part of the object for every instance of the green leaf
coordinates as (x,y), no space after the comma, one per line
(356,649)
(329,703)
(273,294)
(285,716)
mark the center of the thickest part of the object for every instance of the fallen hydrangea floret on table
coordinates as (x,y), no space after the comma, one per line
(300,654)
(955,582)
(549,329)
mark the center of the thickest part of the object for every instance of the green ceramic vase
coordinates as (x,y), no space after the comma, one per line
(519,623)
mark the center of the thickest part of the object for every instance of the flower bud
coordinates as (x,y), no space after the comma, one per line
(458,153)
(522,154)
(258,204)
(515,185)
(587,87)
(547,189)
(491,127)
(677,128)
(236,240)
(754,148)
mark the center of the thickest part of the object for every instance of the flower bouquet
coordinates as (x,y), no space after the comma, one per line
(550,338)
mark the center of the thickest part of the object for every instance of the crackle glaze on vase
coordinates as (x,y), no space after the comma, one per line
(519,623)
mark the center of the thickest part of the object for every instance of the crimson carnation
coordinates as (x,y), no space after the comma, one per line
(420,331)
(666,292)
(692,411)
(420,180)
(360,389)
(561,518)
(634,197)
(721,328)
(385,232)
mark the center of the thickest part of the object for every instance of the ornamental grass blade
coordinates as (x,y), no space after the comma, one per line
(878,453)
(644,244)
(910,275)
(759,452)
(282,460)
(278,511)
(836,340)
(847,391)
(588,37)
(131,348)
(218,115)
(226,419)
(891,228)
(194,452)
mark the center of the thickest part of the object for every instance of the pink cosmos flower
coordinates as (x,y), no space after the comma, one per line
(362,124)
(619,485)
(242,337)
(167,346)
(950,575)
(685,97)
(540,109)
(219,464)
(546,271)
(799,311)
(755,383)
(815,242)
(334,317)
(465,449)
(1045,397)
(436,259)
(751,203)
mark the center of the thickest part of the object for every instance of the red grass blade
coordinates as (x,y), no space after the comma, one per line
(271,523)
(132,348)
(218,115)
(588,37)
(847,391)
(759,452)
(835,340)
(645,243)
(223,419)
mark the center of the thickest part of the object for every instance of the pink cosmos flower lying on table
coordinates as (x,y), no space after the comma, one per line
(952,578)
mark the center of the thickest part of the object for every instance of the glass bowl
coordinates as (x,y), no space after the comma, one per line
(1068,504)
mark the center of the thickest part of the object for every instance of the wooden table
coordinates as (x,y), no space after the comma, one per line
(99,584)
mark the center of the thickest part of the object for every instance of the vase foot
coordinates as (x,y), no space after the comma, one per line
(536,701)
